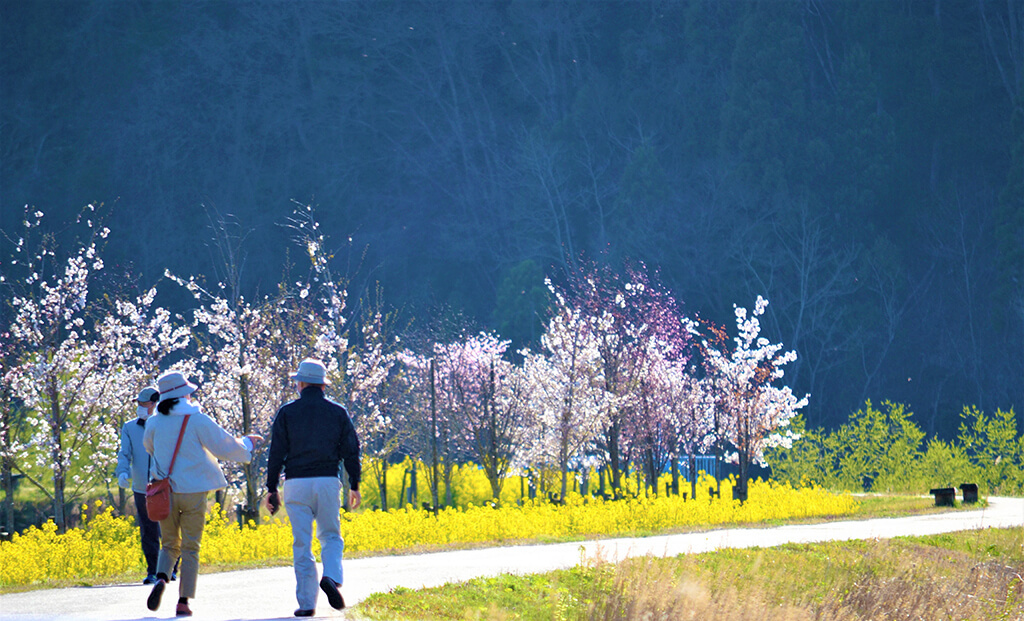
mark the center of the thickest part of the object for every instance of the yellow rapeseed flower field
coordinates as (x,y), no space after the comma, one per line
(108,545)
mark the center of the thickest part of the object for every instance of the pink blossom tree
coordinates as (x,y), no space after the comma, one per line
(488,396)
(633,317)
(438,436)
(690,417)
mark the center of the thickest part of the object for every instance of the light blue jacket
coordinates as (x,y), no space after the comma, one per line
(132,458)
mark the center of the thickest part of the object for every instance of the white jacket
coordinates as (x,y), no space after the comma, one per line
(204,442)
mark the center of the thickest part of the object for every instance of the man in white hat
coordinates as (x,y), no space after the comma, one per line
(310,438)
(133,470)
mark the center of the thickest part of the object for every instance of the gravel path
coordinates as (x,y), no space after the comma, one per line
(269,593)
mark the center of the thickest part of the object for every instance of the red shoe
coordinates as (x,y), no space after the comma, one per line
(182,610)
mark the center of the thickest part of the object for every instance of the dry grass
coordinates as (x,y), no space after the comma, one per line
(974,575)
(890,580)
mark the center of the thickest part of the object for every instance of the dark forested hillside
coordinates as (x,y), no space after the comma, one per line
(860,164)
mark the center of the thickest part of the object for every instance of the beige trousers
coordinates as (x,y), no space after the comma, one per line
(180,535)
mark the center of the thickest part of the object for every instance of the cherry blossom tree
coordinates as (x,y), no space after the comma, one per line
(247,348)
(377,390)
(633,317)
(82,358)
(428,430)
(436,436)
(691,415)
(243,376)
(662,412)
(756,412)
(501,433)
(488,396)
(567,390)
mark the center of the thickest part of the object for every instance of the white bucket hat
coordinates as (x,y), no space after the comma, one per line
(311,372)
(148,394)
(173,385)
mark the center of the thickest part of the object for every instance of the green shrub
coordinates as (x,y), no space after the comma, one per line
(884,450)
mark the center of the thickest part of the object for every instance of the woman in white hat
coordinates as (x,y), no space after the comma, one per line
(196,473)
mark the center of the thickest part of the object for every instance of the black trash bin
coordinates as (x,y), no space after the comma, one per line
(970,492)
(944,496)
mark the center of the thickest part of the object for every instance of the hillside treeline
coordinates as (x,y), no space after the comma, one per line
(860,164)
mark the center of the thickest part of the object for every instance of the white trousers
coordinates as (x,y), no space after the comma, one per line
(306,500)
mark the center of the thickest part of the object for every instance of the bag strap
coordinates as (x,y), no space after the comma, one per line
(177,446)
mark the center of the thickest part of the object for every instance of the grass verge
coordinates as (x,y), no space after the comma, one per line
(966,575)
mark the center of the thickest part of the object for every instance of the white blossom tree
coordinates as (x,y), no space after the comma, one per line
(378,394)
(82,358)
(756,412)
(487,395)
(567,392)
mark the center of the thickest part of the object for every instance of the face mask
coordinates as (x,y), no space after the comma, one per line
(142,412)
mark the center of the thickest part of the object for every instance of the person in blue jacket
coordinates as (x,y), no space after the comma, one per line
(134,466)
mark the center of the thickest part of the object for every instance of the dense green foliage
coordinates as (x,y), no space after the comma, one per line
(857,163)
(883,449)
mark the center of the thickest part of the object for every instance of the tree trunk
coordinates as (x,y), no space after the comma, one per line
(614,457)
(404,490)
(693,476)
(6,468)
(414,488)
(675,476)
(652,476)
(251,510)
(740,493)
(448,492)
(491,462)
(565,479)
(57,463)
(718,470)
(8,485)
(435,481)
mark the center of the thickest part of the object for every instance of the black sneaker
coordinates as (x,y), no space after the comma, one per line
(301,612)
(330,587)
(153,601)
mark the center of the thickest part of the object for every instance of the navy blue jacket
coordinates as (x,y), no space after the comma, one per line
(311,437)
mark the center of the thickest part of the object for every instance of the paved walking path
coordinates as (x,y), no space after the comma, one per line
(269,593)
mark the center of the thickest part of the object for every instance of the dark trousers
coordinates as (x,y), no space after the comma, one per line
(150,533)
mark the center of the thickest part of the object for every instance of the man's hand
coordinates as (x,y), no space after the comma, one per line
(273,502)
(354,498)
(122,480)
